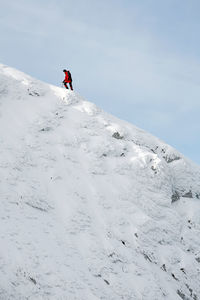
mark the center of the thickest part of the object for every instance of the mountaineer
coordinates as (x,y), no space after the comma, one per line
(68,79)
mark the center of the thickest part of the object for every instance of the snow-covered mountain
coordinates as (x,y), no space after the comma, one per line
(91,207)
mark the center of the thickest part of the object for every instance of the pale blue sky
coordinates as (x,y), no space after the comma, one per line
(139,60)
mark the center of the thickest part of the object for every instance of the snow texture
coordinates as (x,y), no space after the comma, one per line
(91,207)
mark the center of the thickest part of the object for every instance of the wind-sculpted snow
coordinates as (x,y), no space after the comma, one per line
(91,206)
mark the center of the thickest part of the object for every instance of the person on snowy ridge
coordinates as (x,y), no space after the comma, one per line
(68,79)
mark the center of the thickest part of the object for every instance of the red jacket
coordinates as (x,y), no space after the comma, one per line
(67,78)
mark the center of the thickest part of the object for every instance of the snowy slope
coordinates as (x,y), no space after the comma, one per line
(91,207)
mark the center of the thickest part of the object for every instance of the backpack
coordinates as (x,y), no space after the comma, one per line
(69,75)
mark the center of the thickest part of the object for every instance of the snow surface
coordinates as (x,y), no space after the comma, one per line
(91,206)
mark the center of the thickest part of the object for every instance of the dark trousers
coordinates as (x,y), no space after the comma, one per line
(70,84)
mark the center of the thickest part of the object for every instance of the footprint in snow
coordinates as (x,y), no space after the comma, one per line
(46,129)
